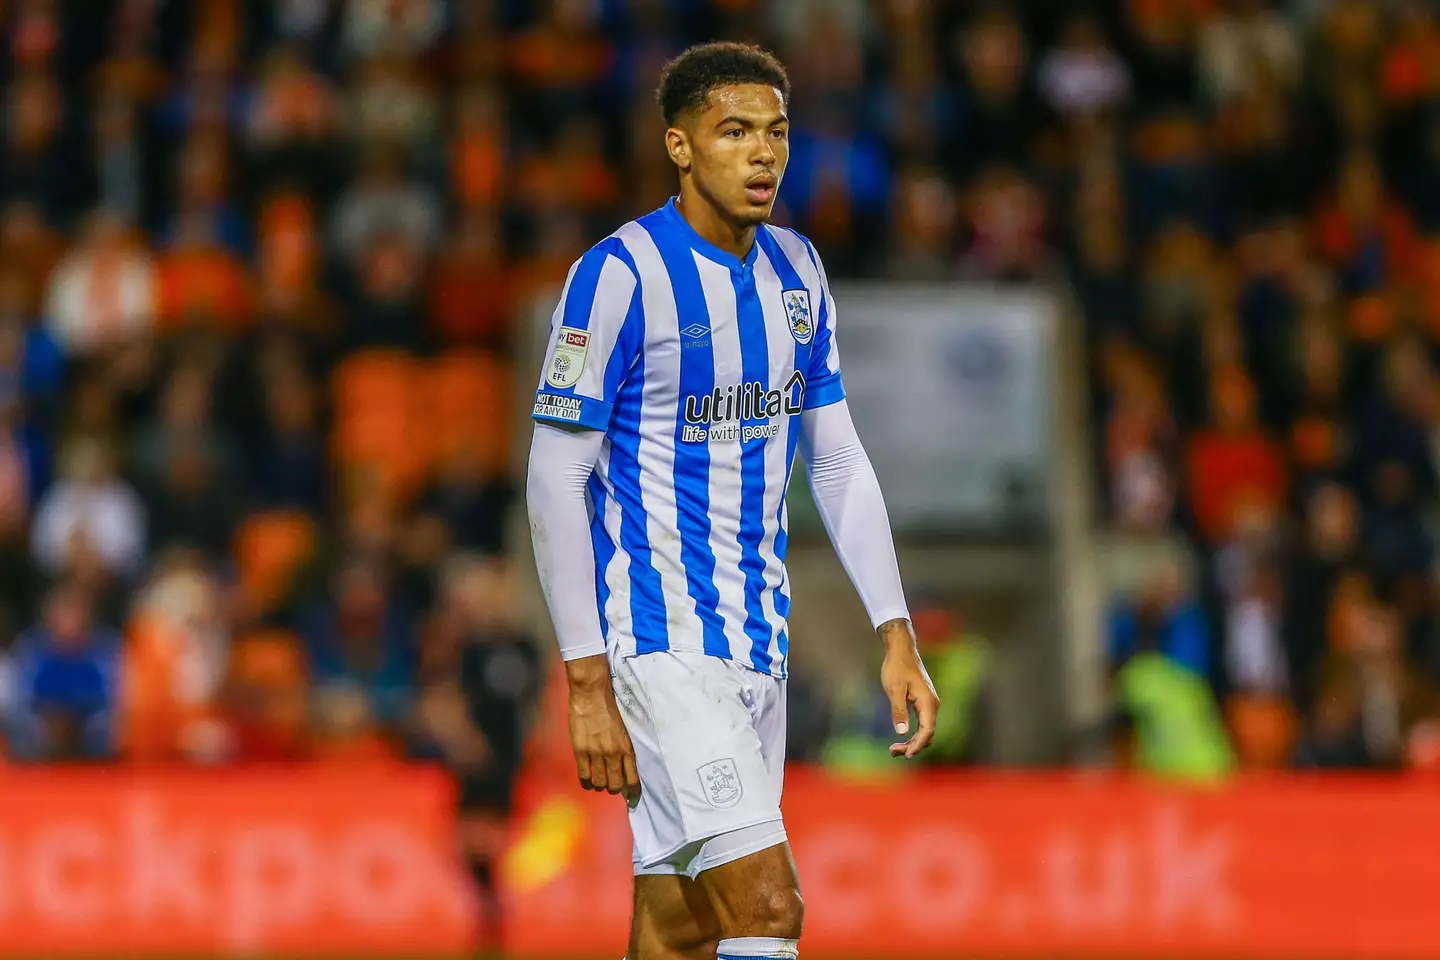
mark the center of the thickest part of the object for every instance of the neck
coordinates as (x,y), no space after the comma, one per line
(711,223)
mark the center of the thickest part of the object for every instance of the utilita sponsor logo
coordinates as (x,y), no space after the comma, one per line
(725,408)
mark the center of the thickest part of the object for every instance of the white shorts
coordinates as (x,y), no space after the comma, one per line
(709,737)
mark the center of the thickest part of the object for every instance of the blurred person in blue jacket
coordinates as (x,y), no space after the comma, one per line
(1163,617)
(65,678)
(362,635)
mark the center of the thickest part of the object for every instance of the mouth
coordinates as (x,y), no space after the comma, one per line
(761,189)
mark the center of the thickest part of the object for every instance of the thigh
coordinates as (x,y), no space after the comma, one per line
(673,920)
(758,895)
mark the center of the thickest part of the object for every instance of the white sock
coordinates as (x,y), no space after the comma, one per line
(755,948)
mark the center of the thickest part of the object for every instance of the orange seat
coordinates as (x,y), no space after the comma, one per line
(203,282)
(269,548)
(1263,728)
(377,398)
(372,377)
(470,407)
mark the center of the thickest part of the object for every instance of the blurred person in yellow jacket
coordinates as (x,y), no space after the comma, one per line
(959,661)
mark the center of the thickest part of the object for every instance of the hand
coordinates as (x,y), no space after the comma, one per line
(905,681)
(604,756)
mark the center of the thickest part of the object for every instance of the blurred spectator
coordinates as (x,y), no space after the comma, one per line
(381,202)
(1172,175)
(960,664)
(469,503)
(288,467)
(173,669)
(559,62)
(1233,460)
(478,154)
(1168,715)
(291,121)
(388,306)
(362,636)
(65,682)
(1163,618)
(998,122)
(103,293)
(479,679)
(1006,221)
(30,249)
(573,175)
(471,299)
(1254,652)
(205,208)
(344,726)
(405,27)
(1141,444)
(192,504)
(1367,693)
(926,214)
(1162,36)
(37,162)
(90,522)
(918,113)
(19,579)
(266,696)
(1246,46)
(390,105)
(1362,232)
(1083,76)
(123,166)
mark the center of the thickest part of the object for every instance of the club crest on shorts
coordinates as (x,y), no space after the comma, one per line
(721,782)
(797,314)
(571,345)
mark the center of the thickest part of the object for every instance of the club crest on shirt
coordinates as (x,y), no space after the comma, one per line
(797,314)
(568,362)
(721,782)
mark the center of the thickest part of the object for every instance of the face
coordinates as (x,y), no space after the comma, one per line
(735,150)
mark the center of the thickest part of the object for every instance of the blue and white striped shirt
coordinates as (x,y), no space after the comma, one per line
(696,365)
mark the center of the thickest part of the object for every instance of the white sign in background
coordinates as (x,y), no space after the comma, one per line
(950,388)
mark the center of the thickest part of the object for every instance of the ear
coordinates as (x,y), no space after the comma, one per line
(677,144)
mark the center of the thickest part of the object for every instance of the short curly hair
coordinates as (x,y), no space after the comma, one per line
(686,81)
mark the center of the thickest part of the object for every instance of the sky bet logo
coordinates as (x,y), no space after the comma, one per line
(720,414)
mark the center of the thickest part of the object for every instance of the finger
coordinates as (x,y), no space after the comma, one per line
(614,775)
(926,708)
(582,769)
(632,774)
(900,711)
(898,749)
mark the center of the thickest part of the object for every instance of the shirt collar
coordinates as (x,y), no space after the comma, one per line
(672,213)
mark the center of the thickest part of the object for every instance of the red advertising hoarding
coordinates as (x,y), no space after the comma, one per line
(329,860)
(995,865)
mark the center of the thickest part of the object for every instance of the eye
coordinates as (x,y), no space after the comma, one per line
(780,133)
(734,133)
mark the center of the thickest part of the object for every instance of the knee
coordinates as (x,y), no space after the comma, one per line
(779,913)
(681,944)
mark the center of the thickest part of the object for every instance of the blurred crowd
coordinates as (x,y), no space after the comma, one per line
(262,265)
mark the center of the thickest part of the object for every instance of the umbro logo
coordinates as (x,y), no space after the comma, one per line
(695,331)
